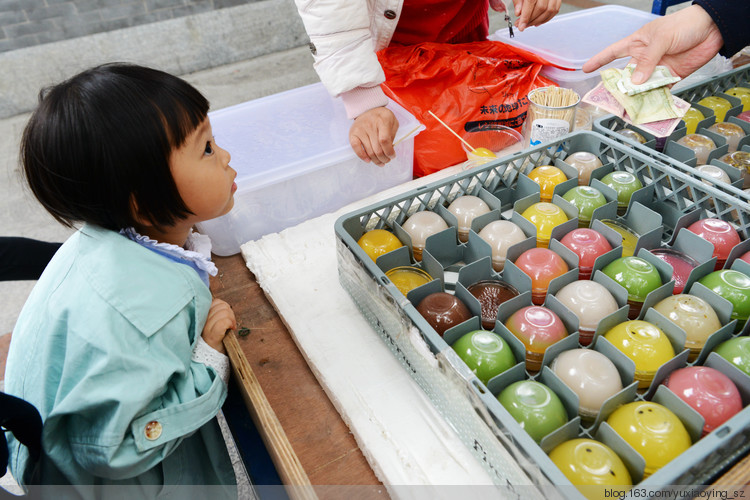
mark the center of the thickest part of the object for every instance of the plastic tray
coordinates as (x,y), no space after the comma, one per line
(668,201)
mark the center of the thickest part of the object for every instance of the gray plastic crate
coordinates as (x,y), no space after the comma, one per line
(508,453)
(668,151)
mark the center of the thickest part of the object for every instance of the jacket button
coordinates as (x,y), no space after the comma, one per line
(389,14)
(152,430)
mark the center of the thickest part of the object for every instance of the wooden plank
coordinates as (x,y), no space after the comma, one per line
(321,440)
(287,464)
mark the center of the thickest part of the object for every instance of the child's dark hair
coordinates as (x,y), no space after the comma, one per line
(99,145)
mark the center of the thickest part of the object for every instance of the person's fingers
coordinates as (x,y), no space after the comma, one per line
(358,148)
(543,11)
(518,7)
(607,55)
(498,5)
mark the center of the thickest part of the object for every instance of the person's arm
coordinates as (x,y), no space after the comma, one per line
(683,41)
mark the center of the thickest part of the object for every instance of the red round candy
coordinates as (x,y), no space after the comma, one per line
(542,265)
(720,234)
(587,244)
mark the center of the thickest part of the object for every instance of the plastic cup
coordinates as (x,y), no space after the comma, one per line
(593,467)
(421,225)
(700,144)
(692,118)
(737,351)
(629,237)
(715,173)
(466,208)
(548,123)
(590,302)
(719,105)
(538,328)
(741,161)
(730,131)
(443,311)
(545,217)
(682,265)
(586,199)
(485,353)
(378,242)
(733,286)
(591,375)
(653,430)
(638,276)
(501,235)
(585,163)
(694,315)
(542,265)
(495,138)
(741,93)
(534,406)
(587,244)
(632,135)
(490,294)
(645,344)
(547,176)
(720,233)
(407,278)
(625,184)
(707,391)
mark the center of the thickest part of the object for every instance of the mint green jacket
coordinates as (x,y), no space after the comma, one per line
(102,349)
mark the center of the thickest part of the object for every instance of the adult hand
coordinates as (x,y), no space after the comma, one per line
(682,41)
(372,135)
(530,12)
(220,319)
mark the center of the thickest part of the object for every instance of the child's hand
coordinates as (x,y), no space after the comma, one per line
(220,319)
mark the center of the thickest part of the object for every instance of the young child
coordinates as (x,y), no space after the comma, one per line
(119,345)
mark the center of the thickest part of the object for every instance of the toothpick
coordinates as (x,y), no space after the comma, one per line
(452,131)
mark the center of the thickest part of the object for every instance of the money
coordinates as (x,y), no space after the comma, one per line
(661,77)
(599,96)
(650,106)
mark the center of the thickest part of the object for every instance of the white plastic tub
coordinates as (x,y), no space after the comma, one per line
(293,160)
(569,40)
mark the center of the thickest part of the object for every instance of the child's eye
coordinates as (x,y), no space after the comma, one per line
(209,148)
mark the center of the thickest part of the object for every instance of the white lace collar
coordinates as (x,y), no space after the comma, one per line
(197,248)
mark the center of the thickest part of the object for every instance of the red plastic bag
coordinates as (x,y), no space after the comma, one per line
(470,86)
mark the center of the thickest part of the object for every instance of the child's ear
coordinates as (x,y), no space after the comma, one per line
(136,213)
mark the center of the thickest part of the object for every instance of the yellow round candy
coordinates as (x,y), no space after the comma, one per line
(378,242)
(407,278)
(645,344)
(653,430)
(590,466)
(691,119)
(741,93)
(719,105)
(545,216)
(547,176)
(484,152)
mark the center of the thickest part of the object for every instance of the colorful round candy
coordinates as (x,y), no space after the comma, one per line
(694,315)
(645,344)
(730,131)
(420,226)
(719,105)
(407,278)
(443,311)
(737,351)
(653,430)
(538,328)
(485,353)
(585,163)
(547,176)
(593,467)
(590,302)
(501,235)
(587,244)
(542,265)
(691,119)
(741,93)
(733,286)
(591,375)
(490,294)
(378,242)
(586,199)
(720,233)
(682,265)
(629,236)
(545,217)
(707,391)
(625,184)
(701,145)
(632,135)
(534,406)
(466,208)
(638,276)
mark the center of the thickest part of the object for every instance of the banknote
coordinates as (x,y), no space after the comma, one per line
(661,77)
(650,106)
(599,96)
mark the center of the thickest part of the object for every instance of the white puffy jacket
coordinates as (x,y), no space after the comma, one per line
(344,38)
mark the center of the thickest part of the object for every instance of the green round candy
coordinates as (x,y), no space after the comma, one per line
(485,353)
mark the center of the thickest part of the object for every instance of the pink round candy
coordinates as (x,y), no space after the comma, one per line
(587,244)
(745,115)
(682,265)
(542,265)
(707,391)
(538,328)
(720,234)
(746,257)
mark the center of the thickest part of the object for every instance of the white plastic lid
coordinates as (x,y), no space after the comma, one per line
(288,134)
(569,40)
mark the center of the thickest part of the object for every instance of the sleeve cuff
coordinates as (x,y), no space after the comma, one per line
(204,353)
(361,99)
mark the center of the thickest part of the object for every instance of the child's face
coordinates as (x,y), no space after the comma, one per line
(203,176)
